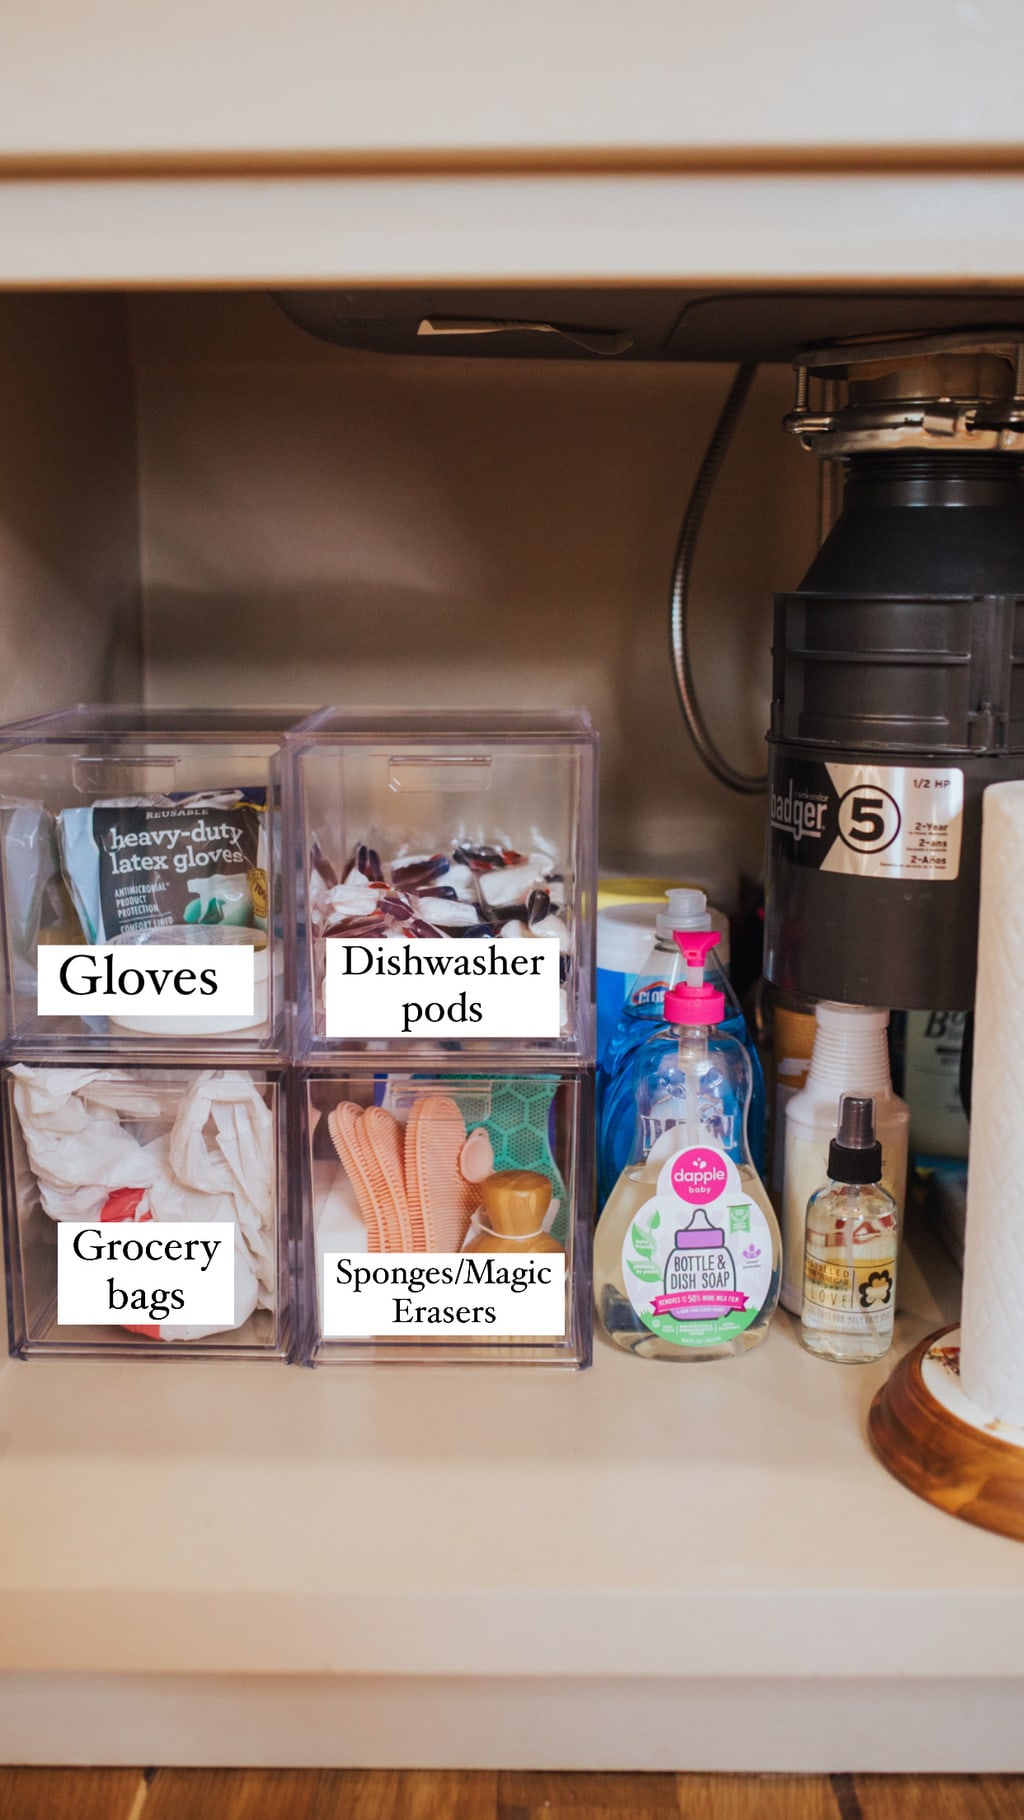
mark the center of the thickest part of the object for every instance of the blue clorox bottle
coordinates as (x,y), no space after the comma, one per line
(642,1011)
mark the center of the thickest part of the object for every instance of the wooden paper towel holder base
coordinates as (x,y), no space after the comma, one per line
(942,1446)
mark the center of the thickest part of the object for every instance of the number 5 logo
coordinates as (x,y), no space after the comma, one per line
(869,819)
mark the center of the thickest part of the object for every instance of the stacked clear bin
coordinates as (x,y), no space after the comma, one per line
(134,828)
(419,1136)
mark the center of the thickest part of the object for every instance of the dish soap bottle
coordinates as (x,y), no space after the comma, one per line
(643,1011)
(687,1254)
(850,1254)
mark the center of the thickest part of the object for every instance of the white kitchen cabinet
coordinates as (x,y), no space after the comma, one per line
(256,84)
(199,503)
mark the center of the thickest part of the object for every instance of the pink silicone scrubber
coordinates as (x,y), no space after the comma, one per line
(380,1138)
(343,1125)
(439,1195)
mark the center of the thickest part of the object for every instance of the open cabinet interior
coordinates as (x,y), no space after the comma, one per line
(203,504)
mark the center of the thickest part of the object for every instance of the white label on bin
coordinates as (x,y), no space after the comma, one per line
(435,1295)
(125,1273)
(204,979)
(442,988)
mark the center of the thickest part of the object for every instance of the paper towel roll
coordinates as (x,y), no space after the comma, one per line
(992,1323)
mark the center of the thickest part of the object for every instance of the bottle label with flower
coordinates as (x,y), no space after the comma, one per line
(849,1298)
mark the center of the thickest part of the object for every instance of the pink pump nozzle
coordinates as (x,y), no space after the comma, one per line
(696,1002)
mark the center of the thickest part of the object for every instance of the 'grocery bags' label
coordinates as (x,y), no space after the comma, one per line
(146,1272)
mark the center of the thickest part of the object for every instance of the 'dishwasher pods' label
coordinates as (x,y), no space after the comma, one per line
(868,821)
(697,1260)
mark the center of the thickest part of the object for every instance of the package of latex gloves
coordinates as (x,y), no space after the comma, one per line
(163,862)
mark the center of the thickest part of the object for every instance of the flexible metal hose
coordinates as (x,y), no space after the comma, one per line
(679,628)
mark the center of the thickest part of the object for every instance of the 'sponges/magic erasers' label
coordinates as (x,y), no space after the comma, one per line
(697,1258)
(443,1295)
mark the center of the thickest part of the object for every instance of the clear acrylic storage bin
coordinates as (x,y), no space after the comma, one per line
(465,829)
(447,1217)
(110,1176)
(156,831)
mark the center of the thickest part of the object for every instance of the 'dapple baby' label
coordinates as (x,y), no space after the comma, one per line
(697,1258)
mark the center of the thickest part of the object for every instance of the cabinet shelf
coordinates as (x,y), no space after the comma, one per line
(723,1532)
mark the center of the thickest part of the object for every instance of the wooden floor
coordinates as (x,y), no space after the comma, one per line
(209,1794)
